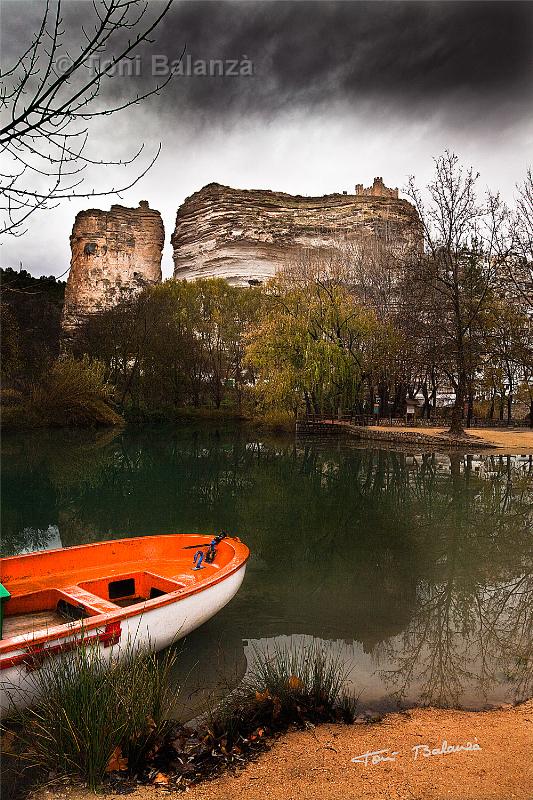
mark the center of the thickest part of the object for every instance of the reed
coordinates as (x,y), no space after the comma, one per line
(287,684)
(97,714)
(308,679)
(305,670)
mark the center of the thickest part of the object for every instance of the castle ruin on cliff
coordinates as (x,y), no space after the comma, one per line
(246,236)
(378,189)
(115,254)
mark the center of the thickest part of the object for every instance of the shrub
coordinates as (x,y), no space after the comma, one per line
(73,392)
(275,419)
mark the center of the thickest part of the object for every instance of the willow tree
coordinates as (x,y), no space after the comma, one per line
(314,346)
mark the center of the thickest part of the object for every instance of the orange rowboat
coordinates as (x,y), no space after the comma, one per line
(147,590)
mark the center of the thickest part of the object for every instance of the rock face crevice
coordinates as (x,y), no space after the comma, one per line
(246,236)
(115,254)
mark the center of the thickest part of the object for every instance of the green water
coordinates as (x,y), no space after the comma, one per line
(416,570)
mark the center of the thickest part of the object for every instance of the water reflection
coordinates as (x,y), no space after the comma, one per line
(418,568)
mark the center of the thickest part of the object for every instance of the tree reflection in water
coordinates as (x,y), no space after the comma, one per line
(473,618)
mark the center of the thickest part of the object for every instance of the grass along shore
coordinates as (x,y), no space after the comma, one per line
(99,723)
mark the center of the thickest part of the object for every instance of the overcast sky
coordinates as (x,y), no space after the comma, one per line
(340,93)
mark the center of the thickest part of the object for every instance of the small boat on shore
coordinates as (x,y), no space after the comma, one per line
(150,590)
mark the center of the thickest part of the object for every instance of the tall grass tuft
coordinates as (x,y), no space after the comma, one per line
(95,714)
(305,670)
(285,685)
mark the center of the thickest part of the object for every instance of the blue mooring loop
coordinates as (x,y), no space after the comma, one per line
(210,553)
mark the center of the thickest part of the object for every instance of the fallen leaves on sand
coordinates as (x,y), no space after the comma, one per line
(117,762)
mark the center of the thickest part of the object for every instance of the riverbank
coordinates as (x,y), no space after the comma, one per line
(317,762)
(15,416)
(503,440)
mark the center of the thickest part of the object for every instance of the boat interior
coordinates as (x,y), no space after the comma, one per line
(46,608)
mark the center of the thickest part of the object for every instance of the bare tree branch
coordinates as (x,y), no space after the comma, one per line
(48,97)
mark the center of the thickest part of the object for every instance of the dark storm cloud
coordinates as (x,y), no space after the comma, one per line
(312,54)
(466,58)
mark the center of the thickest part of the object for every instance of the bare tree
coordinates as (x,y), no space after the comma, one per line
(53,91)
(464,250)
(521,263)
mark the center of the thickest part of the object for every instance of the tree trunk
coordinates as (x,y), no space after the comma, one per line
(218,393)
(456,424)
(490,414)
(470,411)
(130,379)
(426,411)
(383,399)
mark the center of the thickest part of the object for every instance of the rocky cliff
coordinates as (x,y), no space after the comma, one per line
(245,236)
(114,254)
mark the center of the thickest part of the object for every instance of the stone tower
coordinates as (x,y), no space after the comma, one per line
(115,254)
(246,236)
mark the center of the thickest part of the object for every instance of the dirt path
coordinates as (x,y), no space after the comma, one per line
(502,440)
(317,764)
(519,438)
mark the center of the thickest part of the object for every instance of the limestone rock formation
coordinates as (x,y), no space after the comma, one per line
(115,254)
(246,236)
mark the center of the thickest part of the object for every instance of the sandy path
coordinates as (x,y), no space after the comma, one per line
(518,440)
(316,764)
(514,437)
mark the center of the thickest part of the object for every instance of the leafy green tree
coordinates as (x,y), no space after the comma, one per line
(10,363)
(508,365)
(31,317)
(175,344)
(315,346)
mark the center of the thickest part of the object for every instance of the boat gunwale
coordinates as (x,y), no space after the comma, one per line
(241,554)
